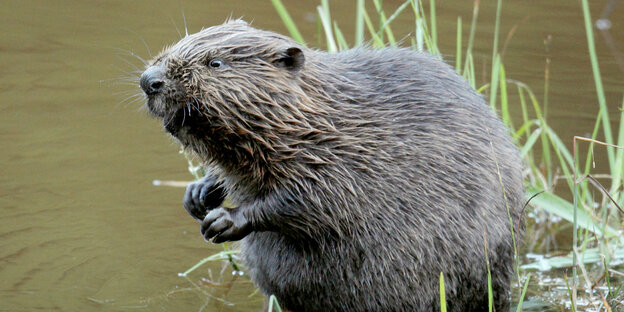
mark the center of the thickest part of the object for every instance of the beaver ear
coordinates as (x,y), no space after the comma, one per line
(291,59)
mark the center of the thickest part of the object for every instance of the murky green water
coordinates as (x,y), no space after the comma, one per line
(81,225)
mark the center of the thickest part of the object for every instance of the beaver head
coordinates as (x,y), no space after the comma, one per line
(243,99)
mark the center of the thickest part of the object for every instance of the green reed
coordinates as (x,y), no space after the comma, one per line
(273,305)
(442,293)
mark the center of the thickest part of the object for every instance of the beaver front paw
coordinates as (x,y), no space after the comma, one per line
(205,194)
(225,225)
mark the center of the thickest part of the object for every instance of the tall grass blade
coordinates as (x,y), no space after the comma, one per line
(422,32)
(288,22)
(499,5)
(546,156)
(319,32)
(431,48)
(530,142)
(504,192)
(560,207)
(473,28)
(434,27)
(525,128)
(420,42)
(386,24)
(559,146)
(523,107)
(598,82)
(359,23)
(490,290)
(382,21)
(342,42)
(458,52)
(323,12)
(546,87)
(494,81)
(442,294)
(617,179)
(524,289)
(377,41)
(489,273)
(469,73)
(590,150)
(571,293)
(496,60)
(274,305)
(504,98)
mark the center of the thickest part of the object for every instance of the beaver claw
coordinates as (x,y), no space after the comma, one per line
(225,225)
(205,194)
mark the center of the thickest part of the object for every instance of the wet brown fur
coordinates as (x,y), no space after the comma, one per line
(364,173)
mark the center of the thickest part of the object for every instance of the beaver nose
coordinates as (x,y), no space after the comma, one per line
(152,80)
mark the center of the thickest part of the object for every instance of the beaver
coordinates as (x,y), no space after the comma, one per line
(358,176)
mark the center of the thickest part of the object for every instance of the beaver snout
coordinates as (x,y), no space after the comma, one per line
(152,80)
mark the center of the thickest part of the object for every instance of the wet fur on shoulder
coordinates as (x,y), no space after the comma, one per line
(369,172)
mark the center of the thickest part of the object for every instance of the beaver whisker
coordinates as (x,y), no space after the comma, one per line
(171,118)
(184,114)
(194,104)
(132,54)
(184,19)
(133,97)
(176,27)
(136,96)
(127,77)
(122,82)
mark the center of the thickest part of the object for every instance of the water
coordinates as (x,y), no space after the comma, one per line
(81,225)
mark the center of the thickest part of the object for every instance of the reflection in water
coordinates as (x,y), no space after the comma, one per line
(81,225)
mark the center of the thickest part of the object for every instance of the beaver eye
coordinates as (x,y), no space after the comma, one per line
(216,63)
